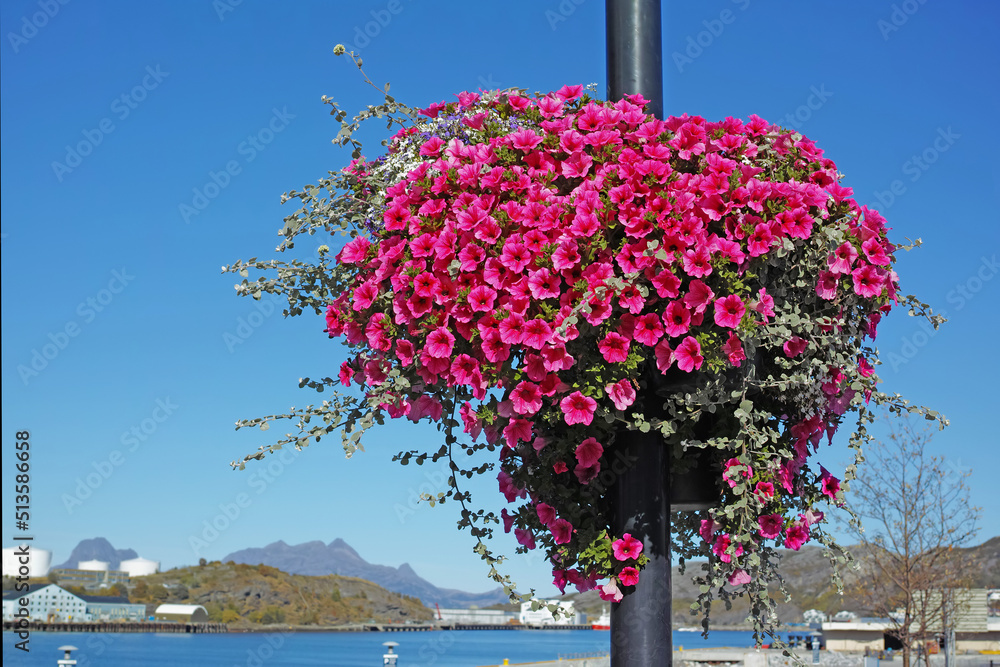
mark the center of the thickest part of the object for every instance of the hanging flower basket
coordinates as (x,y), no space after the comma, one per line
(540,273)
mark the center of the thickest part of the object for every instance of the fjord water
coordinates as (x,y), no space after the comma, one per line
(467,648)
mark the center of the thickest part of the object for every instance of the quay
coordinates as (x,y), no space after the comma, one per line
(118,626)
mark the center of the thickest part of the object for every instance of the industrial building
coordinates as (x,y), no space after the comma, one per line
(976,629)
(542,616)
(38,562)
(51,603)
(181,613)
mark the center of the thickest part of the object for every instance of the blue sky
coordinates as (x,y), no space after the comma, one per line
(119,328)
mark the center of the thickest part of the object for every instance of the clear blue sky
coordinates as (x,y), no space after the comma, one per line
(100,265)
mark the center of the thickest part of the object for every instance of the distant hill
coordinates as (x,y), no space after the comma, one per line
(245,595)
(337,557)
(807,574)
(97,548)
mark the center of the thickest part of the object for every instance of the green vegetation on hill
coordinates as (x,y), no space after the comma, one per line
(259,594)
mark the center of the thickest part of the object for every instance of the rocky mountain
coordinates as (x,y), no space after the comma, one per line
(97,548)
(338,557)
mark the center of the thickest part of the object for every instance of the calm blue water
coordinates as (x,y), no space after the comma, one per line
(466,648)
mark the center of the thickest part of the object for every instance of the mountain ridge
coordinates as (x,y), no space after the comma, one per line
(338,557)
(97,548)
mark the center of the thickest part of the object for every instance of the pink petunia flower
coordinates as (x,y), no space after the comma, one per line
(432,147)
(621,393)
(507,487)
(729,311)
(733,349)
(811,516)
(764,305)
(739,577)
(546,513)
(699,296)
(481,298)
(589,452)
(688,355)
(629,576)
(610,592)
(517,430)
(614,347)
(537,333)
(627,547)
(527,398)
(578,409)
(721,548)
(525,537)
(829,484)
(562,531)
(586,474)
(770,525)
(764,490)
(697,262)
(795,346)
(842,258)
(648,329)
(869,280)
(707,529)
(733,469)
(664,356)
(826,286)
(440,343)
(677,319)
(508,519)
(795,536)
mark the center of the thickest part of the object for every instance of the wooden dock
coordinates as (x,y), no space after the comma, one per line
(119,626)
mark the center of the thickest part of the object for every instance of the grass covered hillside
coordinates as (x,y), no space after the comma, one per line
(259,594)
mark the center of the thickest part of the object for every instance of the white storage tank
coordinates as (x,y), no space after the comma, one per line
(39,561)
(139,567)
(94,565)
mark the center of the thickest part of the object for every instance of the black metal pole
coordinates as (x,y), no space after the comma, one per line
(640,623)
(635,51)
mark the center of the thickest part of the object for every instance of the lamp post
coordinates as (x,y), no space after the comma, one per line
(640,623)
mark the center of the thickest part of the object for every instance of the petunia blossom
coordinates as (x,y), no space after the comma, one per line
(626,548)
(578,409)
(729,311)
(527,398)
(562,531)
(739,577)
(546,513)
(770,525)
(629,576)
(733,349)
(621,393)
(610,592)
(795,536)
(795,346)
(589,452)
(440,343)
(688,355)
(614,347)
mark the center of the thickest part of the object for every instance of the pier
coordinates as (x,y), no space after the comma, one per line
(118,626)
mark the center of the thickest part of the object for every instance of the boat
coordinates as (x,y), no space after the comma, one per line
(602,623)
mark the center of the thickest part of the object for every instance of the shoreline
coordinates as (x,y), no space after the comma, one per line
(217,628)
